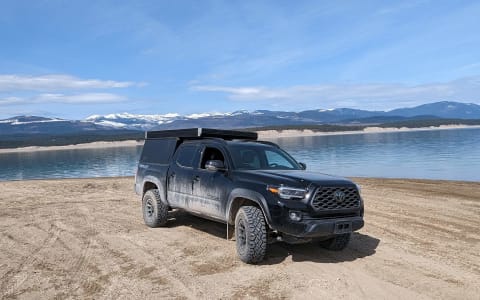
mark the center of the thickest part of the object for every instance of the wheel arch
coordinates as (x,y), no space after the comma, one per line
(150,182)
(148,185)
(243,197)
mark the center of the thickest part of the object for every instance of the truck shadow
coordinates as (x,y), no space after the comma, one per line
(361,245)
(181,218)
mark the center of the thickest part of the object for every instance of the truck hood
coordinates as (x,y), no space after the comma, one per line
(298,178)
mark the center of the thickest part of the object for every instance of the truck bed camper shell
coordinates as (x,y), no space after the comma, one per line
(195,133)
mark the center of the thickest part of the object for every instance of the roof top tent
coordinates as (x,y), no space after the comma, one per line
(202,132)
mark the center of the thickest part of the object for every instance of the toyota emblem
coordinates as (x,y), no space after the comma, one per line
(339,196)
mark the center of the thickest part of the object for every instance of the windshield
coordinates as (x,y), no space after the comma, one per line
(261,157)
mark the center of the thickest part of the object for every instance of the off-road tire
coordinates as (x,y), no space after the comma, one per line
(337,243)
(155,212)
(250,234)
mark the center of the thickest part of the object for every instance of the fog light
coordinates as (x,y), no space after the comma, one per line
(295,215)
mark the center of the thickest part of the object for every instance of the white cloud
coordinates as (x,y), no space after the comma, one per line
(56,82)
(376,96)
(241,91)
(399,7)
(11,101)
(81,98)
(87,98)
(57,88)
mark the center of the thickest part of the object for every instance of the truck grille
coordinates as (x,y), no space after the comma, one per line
(326,198)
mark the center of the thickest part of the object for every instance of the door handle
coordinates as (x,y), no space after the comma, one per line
(196,178)
(172,175)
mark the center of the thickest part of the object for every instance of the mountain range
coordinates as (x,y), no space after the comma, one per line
(126,122)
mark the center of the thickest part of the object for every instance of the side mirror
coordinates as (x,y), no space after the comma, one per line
(303,165)
(214,165)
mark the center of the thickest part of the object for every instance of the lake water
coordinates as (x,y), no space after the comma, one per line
(438,154)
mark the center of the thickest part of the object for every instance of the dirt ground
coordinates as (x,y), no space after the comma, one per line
(85,238)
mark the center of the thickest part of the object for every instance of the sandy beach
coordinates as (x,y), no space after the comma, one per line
(85,239)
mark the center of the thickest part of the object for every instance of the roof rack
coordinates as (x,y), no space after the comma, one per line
(202,132)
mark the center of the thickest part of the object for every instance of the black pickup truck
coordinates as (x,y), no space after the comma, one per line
(230,177)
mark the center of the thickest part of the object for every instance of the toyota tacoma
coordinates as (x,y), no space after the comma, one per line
(231,177)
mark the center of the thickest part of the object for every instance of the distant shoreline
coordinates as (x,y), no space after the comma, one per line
(93,145)
(272,134)
(263,134)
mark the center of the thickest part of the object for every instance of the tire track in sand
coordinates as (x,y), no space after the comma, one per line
(15,278)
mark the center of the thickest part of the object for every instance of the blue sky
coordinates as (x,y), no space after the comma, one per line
(73,59)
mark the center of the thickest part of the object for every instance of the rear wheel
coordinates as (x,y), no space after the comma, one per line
(250,234)
(337,243)
(155,212)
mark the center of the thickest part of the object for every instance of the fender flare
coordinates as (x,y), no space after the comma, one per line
(160,187)
(252,196)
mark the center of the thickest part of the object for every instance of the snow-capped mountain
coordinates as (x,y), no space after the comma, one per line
(23,120)
(41,125)
(236,119)
(132,121)
(444,109)
(147,122)
(259,118)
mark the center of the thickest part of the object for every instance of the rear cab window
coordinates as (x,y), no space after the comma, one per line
(186,155)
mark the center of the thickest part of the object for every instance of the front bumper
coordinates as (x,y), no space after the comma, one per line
(312,228)
(314,223)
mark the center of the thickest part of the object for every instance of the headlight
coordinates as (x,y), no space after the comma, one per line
(286,192)
(359,188)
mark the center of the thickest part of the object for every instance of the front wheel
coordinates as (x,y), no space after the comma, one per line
(155,212)
(250,234)
(336,243)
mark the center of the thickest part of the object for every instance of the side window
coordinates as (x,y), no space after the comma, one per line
(186,156)
(276,160)
(249,159)
(211,153)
